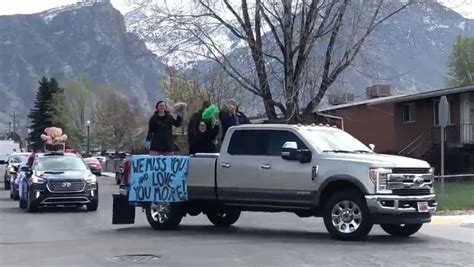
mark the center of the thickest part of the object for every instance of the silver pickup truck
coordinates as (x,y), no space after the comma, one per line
(310,171)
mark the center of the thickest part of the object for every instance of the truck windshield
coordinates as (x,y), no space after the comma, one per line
(59,163)
(335,141)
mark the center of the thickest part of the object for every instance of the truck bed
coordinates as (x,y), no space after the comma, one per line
(201,180)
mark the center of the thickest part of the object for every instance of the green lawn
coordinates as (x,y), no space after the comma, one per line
(457,196)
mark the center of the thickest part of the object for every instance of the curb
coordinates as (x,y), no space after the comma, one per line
(463,220)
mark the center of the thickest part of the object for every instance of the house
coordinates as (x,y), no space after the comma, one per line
(408,124)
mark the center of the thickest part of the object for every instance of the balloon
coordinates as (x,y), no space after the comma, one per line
(209,112)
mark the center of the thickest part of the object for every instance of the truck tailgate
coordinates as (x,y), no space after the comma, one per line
(201,181)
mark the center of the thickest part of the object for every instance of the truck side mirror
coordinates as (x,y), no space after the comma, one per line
(289,151)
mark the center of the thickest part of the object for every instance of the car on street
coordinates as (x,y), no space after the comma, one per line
(11,169)
(309,170)
(94,165)
(59,179)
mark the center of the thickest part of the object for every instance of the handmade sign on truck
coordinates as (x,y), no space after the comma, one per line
(158,179)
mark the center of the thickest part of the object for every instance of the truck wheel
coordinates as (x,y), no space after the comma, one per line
(164,216)
(223,218)
(346,216)
(401,230)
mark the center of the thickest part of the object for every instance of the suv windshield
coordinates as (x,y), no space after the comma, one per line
(59,163)
(334,140)
(17,158)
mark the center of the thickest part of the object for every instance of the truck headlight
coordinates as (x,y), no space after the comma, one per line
(379,177)
(37,180)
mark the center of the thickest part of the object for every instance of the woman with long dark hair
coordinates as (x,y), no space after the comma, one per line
(160,130)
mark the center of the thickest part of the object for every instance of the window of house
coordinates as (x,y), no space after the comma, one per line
(261,142)
(436,112)
(409,112)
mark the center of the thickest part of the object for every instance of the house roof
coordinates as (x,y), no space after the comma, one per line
(404,97)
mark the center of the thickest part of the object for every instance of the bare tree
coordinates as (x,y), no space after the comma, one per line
(274,41)
(114,122)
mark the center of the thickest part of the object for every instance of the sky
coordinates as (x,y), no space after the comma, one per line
(10,7)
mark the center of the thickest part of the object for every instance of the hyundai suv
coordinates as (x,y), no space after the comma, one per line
(59,179)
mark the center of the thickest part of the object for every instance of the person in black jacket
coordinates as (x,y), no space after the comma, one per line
(205,138)
(160,133)
(231,116)
(193,125)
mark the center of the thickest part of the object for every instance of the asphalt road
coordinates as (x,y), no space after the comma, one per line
(74,237)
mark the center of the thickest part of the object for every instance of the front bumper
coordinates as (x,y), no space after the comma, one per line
(41,196)
(393,209)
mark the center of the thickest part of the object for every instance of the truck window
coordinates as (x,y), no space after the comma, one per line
(278,138)
(248,143)
(261,142)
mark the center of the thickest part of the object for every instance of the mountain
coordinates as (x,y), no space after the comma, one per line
(409,51)
(87,39)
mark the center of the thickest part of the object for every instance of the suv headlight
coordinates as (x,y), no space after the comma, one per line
(379,177)
(91,178)
(37,180)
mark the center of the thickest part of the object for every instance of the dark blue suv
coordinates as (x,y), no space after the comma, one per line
(59,179)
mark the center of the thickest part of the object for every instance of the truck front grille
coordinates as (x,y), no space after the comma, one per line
(411,192)
(66,186)
(411,170)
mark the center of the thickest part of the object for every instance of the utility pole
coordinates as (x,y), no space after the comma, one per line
(14,116)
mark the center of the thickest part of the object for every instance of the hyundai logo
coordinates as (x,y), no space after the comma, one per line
(66,184)
(418,181)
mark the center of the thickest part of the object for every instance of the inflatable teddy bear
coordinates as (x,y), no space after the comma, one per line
(53,136)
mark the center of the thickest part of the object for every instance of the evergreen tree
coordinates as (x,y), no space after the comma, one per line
(49,110)
(461,62)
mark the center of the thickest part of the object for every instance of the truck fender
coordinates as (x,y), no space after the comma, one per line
(347,179)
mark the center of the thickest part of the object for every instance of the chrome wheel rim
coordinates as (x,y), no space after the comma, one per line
(346,216)
(159,212)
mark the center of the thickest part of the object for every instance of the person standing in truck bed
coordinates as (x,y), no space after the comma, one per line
(231,116)
(160,130)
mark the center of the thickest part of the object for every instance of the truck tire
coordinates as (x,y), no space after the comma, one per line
(164,216)
(346,216)
(400,230)
(223,218)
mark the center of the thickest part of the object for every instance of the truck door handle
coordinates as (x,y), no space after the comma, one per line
(225,165)
(266,166)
